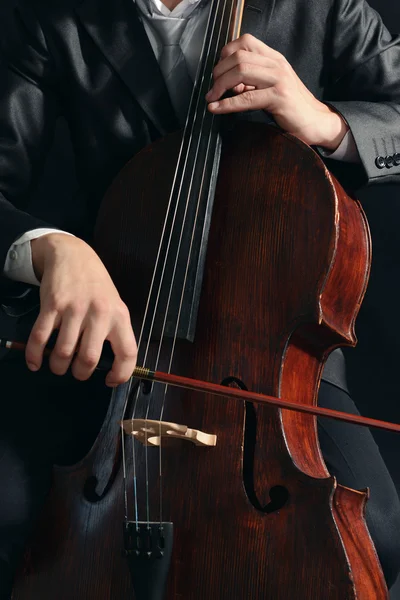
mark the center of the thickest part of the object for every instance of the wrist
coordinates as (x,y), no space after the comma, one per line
(331,129)
(45,246)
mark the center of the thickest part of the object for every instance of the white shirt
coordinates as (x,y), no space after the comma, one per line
(193,36)
(18,265)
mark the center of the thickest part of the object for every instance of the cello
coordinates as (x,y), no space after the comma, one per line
(261,262)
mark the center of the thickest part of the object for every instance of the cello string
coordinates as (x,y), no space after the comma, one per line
(162,278)
(162,337)
(158,295)
(176,254)
(158,258)
(188,197)
(205,112)
(127,389)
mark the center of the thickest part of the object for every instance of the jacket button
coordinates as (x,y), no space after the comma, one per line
(396,158)
(380,162)
(389,161)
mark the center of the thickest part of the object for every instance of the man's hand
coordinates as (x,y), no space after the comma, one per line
(78,297)
(264,80)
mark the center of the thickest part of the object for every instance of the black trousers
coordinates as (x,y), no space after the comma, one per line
(48,419)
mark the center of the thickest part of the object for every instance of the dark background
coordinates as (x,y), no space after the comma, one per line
(373,366)
(373,369)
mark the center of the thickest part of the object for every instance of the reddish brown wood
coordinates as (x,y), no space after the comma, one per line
(274,303)
(349,508)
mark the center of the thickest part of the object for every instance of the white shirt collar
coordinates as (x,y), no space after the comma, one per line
(182,11)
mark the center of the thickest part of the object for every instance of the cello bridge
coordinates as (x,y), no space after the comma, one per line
(150,433)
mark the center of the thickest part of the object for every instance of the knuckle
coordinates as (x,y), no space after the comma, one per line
(64,352)
(55,302)
(78,308)
(39,336)
(89,359)
(247,38)
(283,63)
(101,307)
(128,354)
(283,88)
(243,69)
(123,311)
(226,51)
(241,55)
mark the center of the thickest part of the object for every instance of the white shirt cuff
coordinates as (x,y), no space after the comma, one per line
(18,265)
(346,151)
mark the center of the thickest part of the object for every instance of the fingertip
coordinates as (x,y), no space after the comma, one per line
(32,359)
(32,366)
(110,383)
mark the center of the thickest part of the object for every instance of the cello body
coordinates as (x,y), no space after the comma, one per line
(256,516)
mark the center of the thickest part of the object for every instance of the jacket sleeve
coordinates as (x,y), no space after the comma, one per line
(364,71)
(28,112)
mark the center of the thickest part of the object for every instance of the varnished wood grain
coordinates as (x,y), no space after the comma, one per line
(272,307)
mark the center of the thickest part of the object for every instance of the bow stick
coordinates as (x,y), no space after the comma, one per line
(239,394)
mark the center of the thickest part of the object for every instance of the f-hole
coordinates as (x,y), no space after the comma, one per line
(278,494)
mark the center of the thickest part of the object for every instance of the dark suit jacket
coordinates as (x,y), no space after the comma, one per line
(91,61)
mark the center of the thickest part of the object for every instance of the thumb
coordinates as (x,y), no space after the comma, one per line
(249,100)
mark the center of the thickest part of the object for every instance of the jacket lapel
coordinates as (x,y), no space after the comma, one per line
(257,15)
(116,29)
